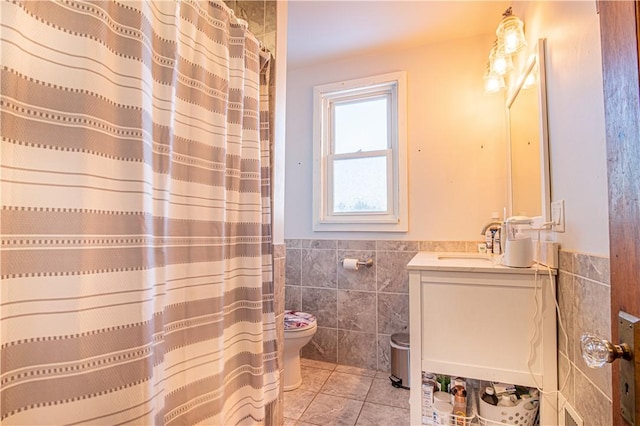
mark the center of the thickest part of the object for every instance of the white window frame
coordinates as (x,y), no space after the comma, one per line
(395,219)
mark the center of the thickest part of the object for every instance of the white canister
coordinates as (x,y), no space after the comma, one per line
(442,396)
(441,412)
(518,253)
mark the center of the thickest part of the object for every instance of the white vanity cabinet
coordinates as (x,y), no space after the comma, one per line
(472,318)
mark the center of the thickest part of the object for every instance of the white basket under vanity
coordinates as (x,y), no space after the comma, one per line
(473,318)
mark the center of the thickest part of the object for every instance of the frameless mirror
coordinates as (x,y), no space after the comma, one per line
(528,140)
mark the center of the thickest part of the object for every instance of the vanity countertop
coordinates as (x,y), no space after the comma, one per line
(467,262)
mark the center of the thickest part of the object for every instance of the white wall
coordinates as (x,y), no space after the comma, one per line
(280,120)
(457,133)
(576,117)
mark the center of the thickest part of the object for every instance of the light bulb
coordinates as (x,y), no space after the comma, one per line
(500,65)
(511,41)
(492,84)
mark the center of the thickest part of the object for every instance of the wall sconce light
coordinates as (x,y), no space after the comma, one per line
(510,41)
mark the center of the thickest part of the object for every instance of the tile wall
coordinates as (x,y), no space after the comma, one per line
(357,311)
(261,16)
(584,297)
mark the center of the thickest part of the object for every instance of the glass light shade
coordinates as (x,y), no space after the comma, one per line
(510,35)
(493,82)
(499,63)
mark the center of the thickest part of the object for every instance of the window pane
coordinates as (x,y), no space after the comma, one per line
(360,125)
(360,185)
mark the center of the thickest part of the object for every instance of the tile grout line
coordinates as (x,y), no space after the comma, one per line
(364,401)
(309,405)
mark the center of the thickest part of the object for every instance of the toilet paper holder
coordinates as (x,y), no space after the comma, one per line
(368,263)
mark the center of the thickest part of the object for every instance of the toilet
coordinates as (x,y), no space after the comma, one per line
(299,328)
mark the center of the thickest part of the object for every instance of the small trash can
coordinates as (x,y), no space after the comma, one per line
(400,360)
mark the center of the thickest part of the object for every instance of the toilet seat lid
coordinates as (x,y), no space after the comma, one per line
(296,320)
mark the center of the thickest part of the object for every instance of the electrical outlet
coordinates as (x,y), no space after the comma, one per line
(557,216)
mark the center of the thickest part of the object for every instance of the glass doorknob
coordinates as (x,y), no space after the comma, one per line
(597,351)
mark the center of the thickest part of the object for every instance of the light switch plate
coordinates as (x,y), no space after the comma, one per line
(557,216)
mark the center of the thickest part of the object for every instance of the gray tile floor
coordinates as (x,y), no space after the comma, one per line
(333,394)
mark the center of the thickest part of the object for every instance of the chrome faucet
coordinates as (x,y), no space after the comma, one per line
(491,225)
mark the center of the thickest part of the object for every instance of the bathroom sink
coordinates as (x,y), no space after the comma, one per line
(466,256)
(455,261)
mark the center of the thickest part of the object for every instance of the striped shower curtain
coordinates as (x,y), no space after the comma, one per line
(135,222)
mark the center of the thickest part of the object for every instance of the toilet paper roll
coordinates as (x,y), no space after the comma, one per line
(350,264)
